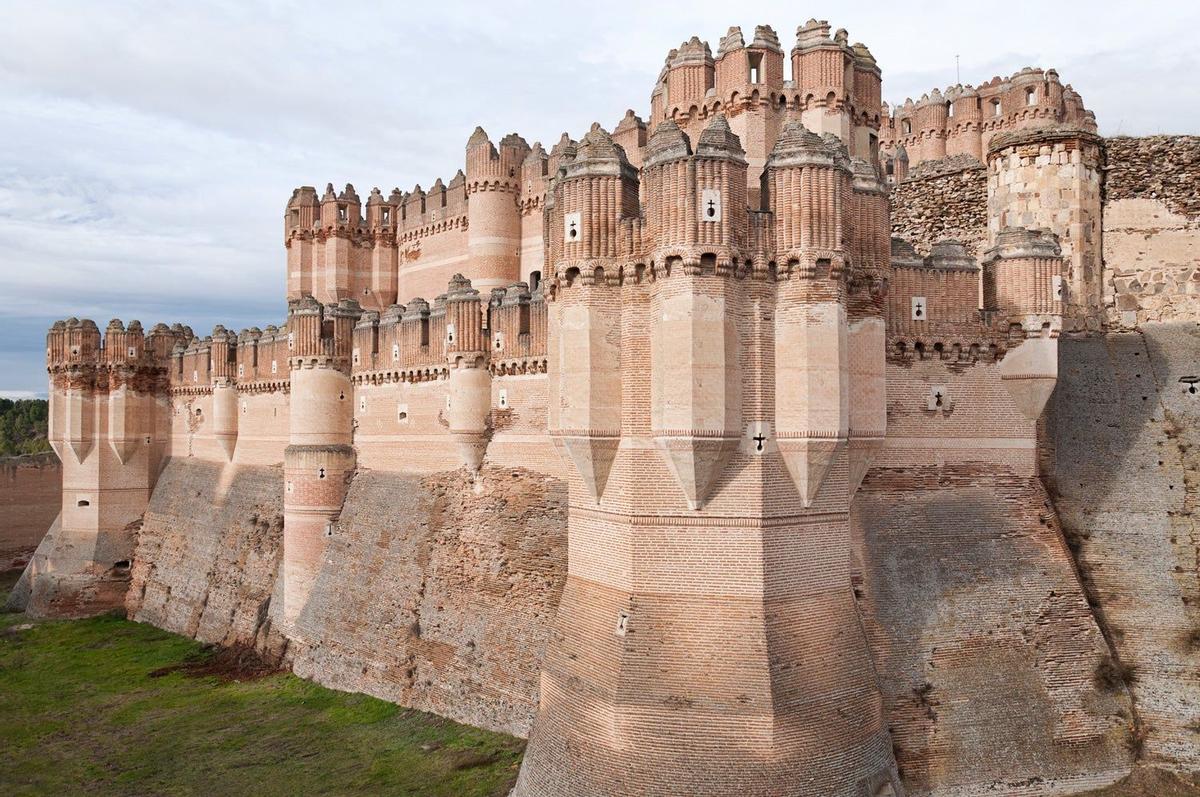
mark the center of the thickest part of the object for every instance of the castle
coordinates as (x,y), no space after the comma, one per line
(697,450)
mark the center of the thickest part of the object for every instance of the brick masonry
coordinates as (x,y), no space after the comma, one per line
(438,591)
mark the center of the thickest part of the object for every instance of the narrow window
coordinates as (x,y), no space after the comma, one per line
(535,279)
(1031,96)
(995,107)
(756,67)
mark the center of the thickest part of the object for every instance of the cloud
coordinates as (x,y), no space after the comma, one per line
(150,146)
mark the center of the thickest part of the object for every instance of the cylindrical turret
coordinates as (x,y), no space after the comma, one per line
(494,221)
(319,460)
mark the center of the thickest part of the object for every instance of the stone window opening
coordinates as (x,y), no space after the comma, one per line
(199,411)
(424,331)
(535,279)
(121,567)
(295,217)
(449,333)
(1190,384)
(343,215)
(949,110)
(755,62)
(906,127)
(83,502)
(995,107)
(387,215)
(320,473)
(1031,96)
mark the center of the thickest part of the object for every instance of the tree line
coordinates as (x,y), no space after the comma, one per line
(23,426)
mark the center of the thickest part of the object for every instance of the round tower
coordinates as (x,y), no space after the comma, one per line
(493,183)
(319,460)
(470,381)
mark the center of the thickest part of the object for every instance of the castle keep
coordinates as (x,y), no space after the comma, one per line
(777,445)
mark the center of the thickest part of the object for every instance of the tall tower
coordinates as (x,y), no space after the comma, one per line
(493,182)
(319,460)
(107,402)
(707,639)
(1050,178)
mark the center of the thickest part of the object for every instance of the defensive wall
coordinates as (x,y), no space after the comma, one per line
(769,409)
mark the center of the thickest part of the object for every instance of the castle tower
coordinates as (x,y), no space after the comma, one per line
(707,639)
(300,218)
(1050,178)
(106,397)
(382,218)
(470,382)
(868,278)
(493,183)
(1023,285)
(223,353)
(319,460)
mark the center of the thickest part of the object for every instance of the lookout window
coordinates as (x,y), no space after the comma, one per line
(342,215)
(83,502)
(756,67)
(535,279)
(1031,96)
(995,107)
(949,110)
(906,127)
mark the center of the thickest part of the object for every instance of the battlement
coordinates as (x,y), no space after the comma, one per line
(76,345)
(418,340)
(962,119)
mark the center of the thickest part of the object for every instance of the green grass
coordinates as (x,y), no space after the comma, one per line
(81,714)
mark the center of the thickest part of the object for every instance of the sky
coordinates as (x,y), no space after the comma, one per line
(147,149)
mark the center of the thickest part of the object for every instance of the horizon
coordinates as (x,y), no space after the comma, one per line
(154,146)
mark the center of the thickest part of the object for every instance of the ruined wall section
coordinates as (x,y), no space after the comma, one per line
(1125,477)
(1151,230)
(946,199)
(438,591)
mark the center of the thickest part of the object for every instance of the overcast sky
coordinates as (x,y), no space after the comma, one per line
(147,148)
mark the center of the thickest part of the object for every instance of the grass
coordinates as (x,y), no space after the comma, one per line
(81,713)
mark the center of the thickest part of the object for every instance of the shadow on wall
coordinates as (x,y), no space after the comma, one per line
(1124,473)
(983,641)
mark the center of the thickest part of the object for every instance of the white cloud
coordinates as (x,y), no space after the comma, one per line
(150,146)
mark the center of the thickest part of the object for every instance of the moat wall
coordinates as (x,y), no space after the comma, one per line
(436,591)
(1125,477)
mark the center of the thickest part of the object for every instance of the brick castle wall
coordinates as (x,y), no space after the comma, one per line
(30,499)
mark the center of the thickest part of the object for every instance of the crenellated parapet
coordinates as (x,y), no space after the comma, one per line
(962,120)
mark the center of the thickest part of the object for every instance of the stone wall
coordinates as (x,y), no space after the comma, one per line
(942,199)
(438,592)
(30,500)
(983,640)
(1125,476)
(1152,230)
